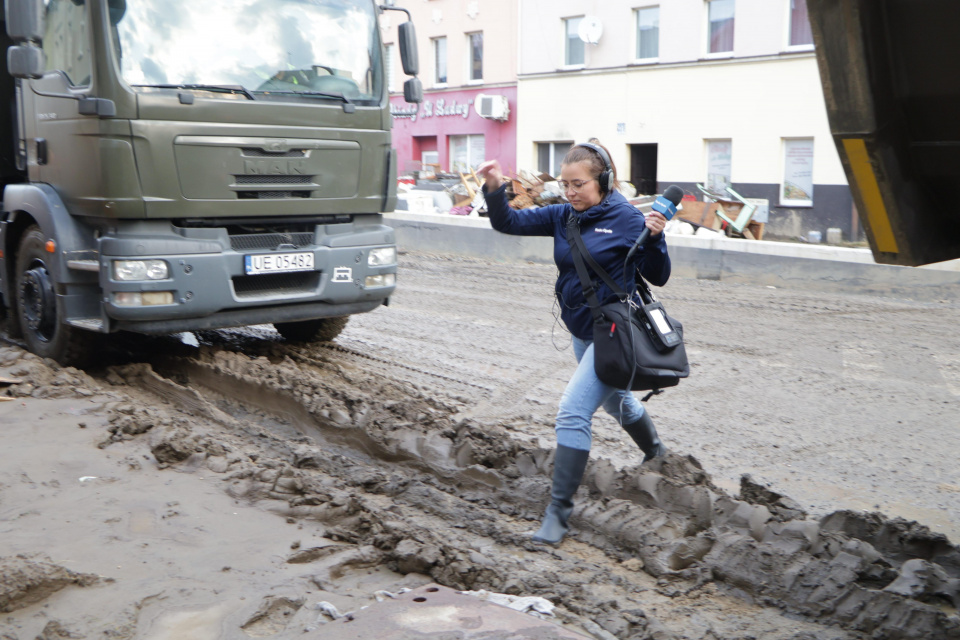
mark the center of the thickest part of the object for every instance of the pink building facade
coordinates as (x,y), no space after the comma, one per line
(448,130)
(468,66)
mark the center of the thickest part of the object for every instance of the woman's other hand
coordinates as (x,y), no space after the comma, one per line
(491,173)
(655,222)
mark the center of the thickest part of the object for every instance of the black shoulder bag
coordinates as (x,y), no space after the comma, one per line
(636,347)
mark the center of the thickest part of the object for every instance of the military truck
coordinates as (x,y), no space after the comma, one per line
(892,85)
(170,165)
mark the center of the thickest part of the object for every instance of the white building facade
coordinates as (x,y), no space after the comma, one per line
(716,92)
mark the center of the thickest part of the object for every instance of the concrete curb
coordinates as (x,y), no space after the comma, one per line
(780,264)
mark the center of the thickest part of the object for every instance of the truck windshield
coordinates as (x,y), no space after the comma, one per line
(303,50)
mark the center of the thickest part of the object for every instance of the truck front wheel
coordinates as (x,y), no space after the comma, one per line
(319,330)
(39,313)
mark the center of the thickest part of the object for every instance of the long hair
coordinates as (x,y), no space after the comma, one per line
(593,160)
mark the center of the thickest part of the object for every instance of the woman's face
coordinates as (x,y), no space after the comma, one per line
(588,194)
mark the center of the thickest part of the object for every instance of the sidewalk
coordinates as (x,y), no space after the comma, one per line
(780,264)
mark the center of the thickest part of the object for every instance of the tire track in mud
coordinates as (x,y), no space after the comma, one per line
(389,469)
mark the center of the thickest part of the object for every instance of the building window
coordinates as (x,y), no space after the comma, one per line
(720,14)
(719,156)
(388,70)
(467,152)
(797,187)
(440,61)
(573,49)
(550,156)
(800,33)
(476,56)
(648,33)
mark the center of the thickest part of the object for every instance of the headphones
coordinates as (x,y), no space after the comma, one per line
(606,176)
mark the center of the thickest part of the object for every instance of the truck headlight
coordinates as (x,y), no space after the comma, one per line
(132,270)
(382,256)
(383,280)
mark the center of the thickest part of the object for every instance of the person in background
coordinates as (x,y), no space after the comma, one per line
(610,226)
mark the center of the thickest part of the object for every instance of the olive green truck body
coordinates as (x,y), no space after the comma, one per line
(172,166)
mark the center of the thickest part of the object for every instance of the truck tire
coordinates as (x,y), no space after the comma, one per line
(319,330)
(38,310)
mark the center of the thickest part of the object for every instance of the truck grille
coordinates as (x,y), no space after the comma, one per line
(252,241)
(273,179)
(271,195)
(273,284)
(252,152)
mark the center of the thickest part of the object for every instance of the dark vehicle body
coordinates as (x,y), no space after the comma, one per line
(891,80)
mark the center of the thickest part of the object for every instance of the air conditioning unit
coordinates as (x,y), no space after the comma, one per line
(494,107)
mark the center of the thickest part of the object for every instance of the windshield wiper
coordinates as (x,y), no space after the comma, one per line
(348,105)
(216,88)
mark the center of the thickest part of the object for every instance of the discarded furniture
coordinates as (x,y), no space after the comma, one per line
(738,224)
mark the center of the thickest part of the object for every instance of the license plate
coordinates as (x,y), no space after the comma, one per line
(278,262)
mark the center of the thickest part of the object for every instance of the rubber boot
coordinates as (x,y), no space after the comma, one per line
(645,435)
(568,467)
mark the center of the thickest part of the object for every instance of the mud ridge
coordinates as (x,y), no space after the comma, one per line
(866,573)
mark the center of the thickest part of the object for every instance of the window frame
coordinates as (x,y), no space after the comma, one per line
(789,30)
(636,34)
(553,161)
(468,137)
(707,161)
(434,46)
(566,43)
(728,53)
(388,55)
(470,57)
(795,202)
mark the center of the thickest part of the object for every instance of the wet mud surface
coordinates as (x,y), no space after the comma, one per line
(232,485)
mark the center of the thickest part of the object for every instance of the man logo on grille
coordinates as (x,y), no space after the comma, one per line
(342,274)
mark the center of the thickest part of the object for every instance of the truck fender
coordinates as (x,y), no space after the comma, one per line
(42,204)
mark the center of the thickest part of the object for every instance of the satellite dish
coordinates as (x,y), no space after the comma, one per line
(590,29)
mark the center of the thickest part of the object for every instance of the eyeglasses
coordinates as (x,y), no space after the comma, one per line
(576,185)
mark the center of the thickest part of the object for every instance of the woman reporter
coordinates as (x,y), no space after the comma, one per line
(609,226)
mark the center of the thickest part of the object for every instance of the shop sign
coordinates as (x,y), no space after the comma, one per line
(398,111)
(430,110)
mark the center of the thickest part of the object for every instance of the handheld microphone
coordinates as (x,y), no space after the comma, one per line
(666,205)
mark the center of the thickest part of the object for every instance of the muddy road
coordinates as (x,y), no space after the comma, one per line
(231,485)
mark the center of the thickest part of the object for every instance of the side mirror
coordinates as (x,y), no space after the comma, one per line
(413,90)
(407,37)
(25,61)
(24,20)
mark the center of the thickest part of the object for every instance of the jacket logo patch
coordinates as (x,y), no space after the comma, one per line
(599,230)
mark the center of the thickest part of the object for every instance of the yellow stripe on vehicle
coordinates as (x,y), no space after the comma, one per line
(866,179)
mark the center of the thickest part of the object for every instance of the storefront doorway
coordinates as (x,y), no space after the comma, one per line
(643,168)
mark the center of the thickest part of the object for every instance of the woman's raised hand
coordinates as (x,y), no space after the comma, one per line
(491,173)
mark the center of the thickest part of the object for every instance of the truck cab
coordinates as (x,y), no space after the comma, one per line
(173,166)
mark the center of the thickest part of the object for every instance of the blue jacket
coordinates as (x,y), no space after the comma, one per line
(609,230)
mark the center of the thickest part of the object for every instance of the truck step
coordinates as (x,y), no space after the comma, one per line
(84,265)
(90,324)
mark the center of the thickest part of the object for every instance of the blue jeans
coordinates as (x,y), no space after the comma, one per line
(585,393)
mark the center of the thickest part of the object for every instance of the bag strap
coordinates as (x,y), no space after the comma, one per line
(581,254)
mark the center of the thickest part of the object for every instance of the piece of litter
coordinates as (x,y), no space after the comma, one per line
(383,594)
(85,478)
(327,609)
(534,605)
